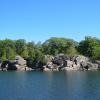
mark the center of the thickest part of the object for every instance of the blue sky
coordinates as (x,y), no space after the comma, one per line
(39,20)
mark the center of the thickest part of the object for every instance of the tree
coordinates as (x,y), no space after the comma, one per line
(31,49)
(35,58)
(7,48)
(21,48)
(90,47)
(55,46)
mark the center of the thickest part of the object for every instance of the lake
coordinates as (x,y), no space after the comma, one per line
(50,85)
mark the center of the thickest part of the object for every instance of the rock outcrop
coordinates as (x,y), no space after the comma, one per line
(8,65)
(21,63)
(57,63)
(20,60)
(79,62)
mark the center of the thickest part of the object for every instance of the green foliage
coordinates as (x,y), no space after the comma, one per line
(55,46)
(10,54)
(3,56)
(90,47)
(7,49)
(20,46)
(36,52)
(96,52)
(31,50)
(72,51)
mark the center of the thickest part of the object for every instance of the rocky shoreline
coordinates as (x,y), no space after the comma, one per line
(59,62)
(62,62)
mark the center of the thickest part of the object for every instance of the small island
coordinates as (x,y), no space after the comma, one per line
(55,54)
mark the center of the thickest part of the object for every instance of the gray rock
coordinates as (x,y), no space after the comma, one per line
(92,66)
(20,61)
(69,63)
(83,63)
(97,62)
(77,60)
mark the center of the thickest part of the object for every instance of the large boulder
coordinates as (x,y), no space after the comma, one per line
(69,63)
(92,66)
(78,59)
(11,66)
(46,68)
(8,65)
(60,60)
(4,65)
(49,65)
(20,61)
(97,62)
(84,65)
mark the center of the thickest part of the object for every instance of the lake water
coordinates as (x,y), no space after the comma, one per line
(50,85)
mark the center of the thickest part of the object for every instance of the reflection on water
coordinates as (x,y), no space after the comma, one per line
(50,85)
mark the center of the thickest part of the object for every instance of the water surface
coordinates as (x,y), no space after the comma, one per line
(50,85)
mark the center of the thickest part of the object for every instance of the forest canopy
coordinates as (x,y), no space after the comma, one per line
(89,47)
